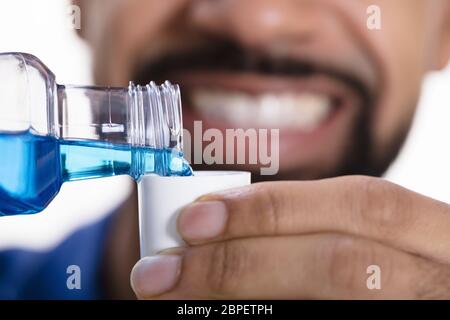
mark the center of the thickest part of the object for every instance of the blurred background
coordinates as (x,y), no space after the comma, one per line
(43,29)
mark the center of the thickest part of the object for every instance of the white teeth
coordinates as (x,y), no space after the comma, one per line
(305,111)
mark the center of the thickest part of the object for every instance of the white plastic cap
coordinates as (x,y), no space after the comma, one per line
(160,199)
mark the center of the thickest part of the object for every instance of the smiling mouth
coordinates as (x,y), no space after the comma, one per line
(228,86)
(303,111)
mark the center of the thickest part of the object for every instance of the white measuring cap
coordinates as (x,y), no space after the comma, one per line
(160,199)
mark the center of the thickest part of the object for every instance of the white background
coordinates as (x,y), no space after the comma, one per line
(41,27)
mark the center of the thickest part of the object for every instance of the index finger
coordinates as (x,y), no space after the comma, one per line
(356,205)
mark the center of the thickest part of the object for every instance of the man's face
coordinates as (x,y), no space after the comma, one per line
(342,96)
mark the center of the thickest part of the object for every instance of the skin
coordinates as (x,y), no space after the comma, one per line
(260,236)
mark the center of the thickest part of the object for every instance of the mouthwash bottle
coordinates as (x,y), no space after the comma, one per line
(51,133)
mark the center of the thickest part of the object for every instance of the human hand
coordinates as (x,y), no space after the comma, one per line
(296,240)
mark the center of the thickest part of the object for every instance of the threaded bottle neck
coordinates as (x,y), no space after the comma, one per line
(107,131)
(155,121)
(155,116)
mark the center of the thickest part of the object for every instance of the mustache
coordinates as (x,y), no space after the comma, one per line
(223,55)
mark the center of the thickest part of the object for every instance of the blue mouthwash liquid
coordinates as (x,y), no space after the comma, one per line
(33,167)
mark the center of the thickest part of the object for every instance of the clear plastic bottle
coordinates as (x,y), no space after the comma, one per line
(51,133)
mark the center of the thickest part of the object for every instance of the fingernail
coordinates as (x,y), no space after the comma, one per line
(202,220)
(152,276)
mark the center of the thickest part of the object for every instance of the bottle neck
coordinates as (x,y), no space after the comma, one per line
(87,160)
(106,131)
(138,115)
